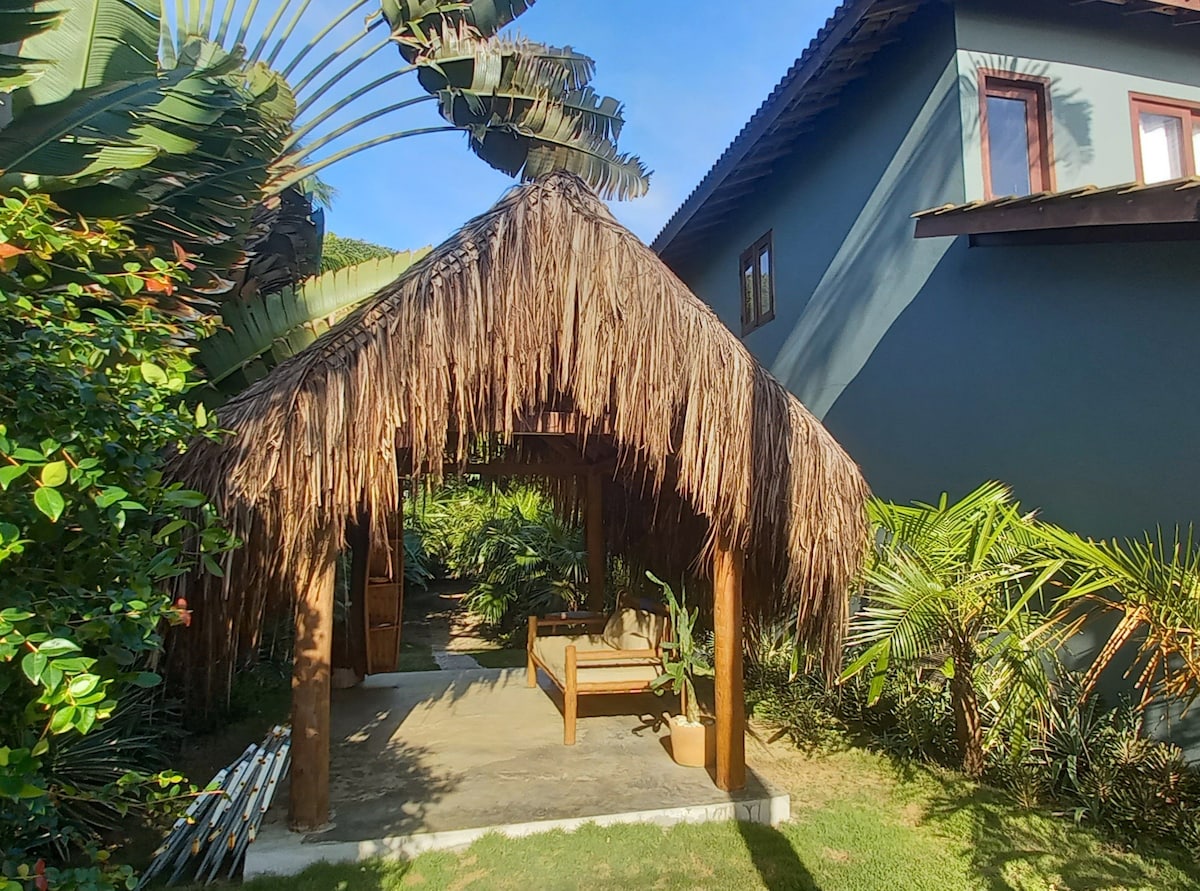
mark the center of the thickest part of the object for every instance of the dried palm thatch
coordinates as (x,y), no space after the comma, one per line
(543,304)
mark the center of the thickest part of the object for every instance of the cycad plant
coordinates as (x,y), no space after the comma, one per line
(1152,586)
(182,121)
(950,589)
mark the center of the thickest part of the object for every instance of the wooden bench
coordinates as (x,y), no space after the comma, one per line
(587,654)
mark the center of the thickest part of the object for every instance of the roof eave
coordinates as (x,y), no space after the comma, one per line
(843,21)
(1130,204)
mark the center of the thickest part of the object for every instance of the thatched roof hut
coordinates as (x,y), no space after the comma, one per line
(541,329)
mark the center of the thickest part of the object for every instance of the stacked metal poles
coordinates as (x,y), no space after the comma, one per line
(224,819)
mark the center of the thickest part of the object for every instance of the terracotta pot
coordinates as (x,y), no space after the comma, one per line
(693,745)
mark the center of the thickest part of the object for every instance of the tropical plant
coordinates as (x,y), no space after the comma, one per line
(950,590)
(1153,587)
(524,560)
(518,554)
(183,124)
(1097,764)
(682,660)
(93,390)
(165,130)
(338,252)
(264,329)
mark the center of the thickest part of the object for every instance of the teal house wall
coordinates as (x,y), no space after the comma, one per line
(1064,370)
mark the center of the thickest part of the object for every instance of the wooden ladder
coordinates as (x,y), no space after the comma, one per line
(384,601)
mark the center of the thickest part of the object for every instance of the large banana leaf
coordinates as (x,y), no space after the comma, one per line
(96,43)
(529,108)
(20,21)
(261,331)
(180,153)
(412,21)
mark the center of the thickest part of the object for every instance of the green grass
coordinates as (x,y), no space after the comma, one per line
(499,658)
(859,824)
(416,657)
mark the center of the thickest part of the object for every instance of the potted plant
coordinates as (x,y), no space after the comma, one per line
(693,741)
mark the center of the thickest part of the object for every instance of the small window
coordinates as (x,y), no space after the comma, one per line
(1015,126)
(1166,138)
(757,272)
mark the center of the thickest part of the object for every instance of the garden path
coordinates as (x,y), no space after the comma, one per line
(436,618)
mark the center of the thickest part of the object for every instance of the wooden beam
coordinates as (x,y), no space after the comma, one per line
(594,523)
(1128,206)
(728,567)
(309,807)
(528,468)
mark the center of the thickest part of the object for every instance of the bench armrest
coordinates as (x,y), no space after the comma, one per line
(618,655)
(553,620)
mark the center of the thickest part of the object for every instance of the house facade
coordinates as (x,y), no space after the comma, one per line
(1046,341)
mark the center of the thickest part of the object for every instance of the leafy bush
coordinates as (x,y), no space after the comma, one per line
(418,564)
(1098,765)
(520,555)
(909,717)
(93,380)
(338,252)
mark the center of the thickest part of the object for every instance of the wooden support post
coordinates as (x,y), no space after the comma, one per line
(594,522)
(570,697)
(728,563)
(530,668)
(310,686)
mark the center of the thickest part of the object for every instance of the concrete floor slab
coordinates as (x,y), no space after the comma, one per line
(429,760)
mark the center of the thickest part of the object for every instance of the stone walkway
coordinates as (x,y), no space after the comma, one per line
(437,619)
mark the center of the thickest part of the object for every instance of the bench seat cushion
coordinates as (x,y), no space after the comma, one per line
(551,651)
(634,629)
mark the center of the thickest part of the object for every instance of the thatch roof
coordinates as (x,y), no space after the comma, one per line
(543,304)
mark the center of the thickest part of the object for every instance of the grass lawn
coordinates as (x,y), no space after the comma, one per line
(416,657)
(859,824)
(514,658)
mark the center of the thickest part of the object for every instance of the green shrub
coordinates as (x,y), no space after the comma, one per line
(1097,764)
(93,384)
(519,555)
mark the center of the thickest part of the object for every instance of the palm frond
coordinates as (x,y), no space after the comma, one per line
(1153,585)
(262,331)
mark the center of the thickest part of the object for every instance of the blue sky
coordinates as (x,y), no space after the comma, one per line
(690,75)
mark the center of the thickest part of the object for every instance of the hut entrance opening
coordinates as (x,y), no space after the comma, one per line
(578,471)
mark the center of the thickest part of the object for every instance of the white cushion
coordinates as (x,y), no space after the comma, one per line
(634,629)
(551,651)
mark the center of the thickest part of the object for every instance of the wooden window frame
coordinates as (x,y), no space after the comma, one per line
(750,256)
(1035,92)
(1179,108)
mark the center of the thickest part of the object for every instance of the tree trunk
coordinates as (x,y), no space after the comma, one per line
(967,728)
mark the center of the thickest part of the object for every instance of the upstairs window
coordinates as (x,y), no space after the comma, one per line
(1014,123)
(1166,138)
(757,272)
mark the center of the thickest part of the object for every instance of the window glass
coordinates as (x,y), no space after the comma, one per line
(748,294)
(1008,145)
(756,269)
(1162,146)
(764,284)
